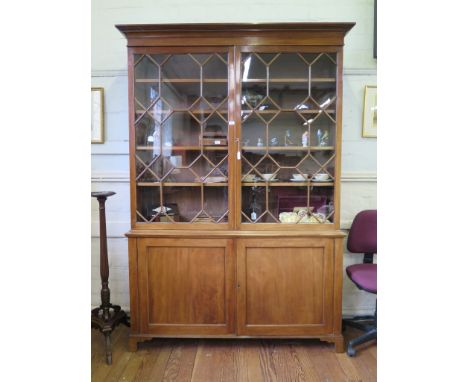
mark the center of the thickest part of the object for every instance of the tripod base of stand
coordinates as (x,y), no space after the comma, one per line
(107,324)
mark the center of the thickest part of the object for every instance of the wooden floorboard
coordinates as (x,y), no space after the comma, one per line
(200,360)
(217,360)
(179,366)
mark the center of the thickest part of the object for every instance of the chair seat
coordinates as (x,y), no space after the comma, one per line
(364,276)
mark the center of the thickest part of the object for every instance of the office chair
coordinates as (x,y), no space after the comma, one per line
(362,238)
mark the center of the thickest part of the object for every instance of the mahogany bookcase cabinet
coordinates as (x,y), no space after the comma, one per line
(235,141)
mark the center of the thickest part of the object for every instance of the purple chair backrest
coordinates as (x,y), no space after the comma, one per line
(363,234)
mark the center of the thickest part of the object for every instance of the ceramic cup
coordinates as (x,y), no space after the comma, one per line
(321,176)
(268,176)
(249,178)
(299,177)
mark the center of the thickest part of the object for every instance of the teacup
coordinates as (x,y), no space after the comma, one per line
(299,177)
(268,176)
(321,176)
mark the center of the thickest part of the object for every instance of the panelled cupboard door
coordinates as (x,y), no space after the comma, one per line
(285,286)
(186,286)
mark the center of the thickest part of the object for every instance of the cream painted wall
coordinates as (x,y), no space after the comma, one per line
(110,160)
(107,43)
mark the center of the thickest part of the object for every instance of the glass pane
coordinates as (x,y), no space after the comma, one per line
(254,131)
(253,204)
(322,130)
(181,136)
(146,68)
(180,95)
(252,67)
(289,65)
(147,201)
(324,66)
(181,129)
(288,128)
(289,95)
(216,67)
(181,66)
(145,95)
(216,203)
(186,202)
(252,95)
(215,93)
(288,106)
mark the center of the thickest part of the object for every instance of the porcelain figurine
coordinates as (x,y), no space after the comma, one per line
(305,139)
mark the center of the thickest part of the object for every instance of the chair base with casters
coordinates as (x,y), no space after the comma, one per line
(364,276)
(368,324)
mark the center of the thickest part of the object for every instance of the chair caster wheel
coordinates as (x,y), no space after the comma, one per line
(351,352)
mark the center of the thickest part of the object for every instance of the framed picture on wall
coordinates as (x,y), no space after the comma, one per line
(369,114)
(97,115)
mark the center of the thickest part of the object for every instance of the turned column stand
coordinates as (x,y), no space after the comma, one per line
(107,316)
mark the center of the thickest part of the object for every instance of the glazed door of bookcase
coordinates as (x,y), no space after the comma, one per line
(181,137)
(285,286)
(186,286)
(288,107)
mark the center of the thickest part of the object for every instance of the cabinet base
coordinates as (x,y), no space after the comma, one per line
(338,340)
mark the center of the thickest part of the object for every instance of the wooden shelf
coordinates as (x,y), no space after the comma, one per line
(282,80)
(181,184)
(287,184)
(302,111)
(225,80)
(194,111)
(223,111)
(288,148)
(181,80)
(185,148)
(244,148)
(244,184)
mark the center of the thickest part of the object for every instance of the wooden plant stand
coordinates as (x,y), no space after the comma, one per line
(107,316)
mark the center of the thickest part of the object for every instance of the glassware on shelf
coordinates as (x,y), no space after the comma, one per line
(322,137)
(287,138)
(155,137)
(326,209)
(274,141)
(155,141)
(260,142)
(153,94)
(249,178)
(254,207)
(331,208)
(253,99)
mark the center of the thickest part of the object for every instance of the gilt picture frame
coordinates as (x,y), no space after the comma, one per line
(369,113)
(97,115)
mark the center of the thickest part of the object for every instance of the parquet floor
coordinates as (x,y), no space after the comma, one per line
(201,360)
